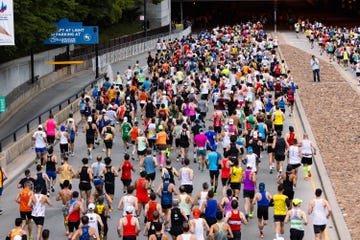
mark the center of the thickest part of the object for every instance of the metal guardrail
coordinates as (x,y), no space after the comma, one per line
(42,117)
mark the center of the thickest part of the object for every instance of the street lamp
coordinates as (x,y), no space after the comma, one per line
(275,17)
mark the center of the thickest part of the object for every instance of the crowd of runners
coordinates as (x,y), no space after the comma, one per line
(216,101)
(341,44)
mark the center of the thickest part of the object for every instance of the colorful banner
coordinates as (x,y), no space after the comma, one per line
(7,33)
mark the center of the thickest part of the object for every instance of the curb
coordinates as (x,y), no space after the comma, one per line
(336,216)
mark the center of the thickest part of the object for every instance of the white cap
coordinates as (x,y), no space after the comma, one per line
(91,206)
(89,119)
(231,121)
(40,126)
(129,209)
(17,237)
(125,119)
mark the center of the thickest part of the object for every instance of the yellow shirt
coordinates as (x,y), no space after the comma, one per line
(1,178)
(279,204)
(278,120)
(236,174)
(65,174)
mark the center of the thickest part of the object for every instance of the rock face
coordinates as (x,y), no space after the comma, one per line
(333,110)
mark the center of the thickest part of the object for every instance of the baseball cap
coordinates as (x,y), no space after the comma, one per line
(297,201)
(89,119)
(231,121)
(161,127)
(103,111)
(40,127)
(249,165)
(196,213)
(91,206)
(125,119)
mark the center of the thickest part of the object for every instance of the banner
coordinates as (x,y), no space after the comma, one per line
(7,33)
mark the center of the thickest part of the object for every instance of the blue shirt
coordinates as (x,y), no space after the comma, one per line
(213,158)
(210,135)
(149,165)
(146,85)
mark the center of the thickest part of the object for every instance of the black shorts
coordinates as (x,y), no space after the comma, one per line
(289,193)
(73,225)
(296,234)
(217,129)
(64,148)
(278,127)
(210,221)
(291,102)
(39,220)
(224,181)
(279,158)
(177,142)
(62,186)
(25,215)
(184,144)
(306,160)
(50,139)
(109,188)
(84,186)
(166,206)
(263,212)
(192,118)
(279,218)
(235,186)
(270,149)
(90,139)
(319,228)
(237,235)
(295,166)
(161,147)
(214,173)
(188,188)
(108,144)
(176,230)
(249,194)
(129,238)
(126,182)
(141,153)
(151,176)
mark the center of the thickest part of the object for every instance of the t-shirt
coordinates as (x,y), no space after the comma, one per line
(39,139)
(200,140)
(213,158)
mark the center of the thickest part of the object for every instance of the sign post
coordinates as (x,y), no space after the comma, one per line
(2,104)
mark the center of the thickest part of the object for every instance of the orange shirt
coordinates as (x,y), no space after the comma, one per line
(161,138)
(134,133)
(24,200)
(143,96)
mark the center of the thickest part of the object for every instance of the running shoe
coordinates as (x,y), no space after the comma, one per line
(52,189)
(1,211)
(262,235)
(251,215)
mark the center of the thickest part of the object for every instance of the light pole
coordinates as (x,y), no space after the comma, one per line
(275,17)
(145,20)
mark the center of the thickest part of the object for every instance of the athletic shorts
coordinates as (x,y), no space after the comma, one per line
(141,153)
(270,149)
(108,144)
(151,176)
(201,152)
(237,235)
(296,234)
(235,186)
(278,128)
(214,173)
(177,142)
(161,147)
(126,138)
(279,218)
(249,194)
(224,181)
(39,220)
(126,182)
(129,238)
(90,140)
(40,150)
(25,215)
(263,212)
(295,166)
(84,186)
(291,102)
(64,148)
(50,139)
(110,188)
(188,188)
(210,221)
(73,225)
(217,129)
(306,160)
(279,157)
(289,193)
(51,174)
(176,230)
(319,228)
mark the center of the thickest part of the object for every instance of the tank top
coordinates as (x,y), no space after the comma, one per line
(288,185)
(233,151)
(24,200)
(141,143)
(50,127)
(129,229)
(211,208)
(170,172)
(199,229)
(278,120)
(65,173)
(248,184)
(93,221)
(15,232)
(202,199)
(41,182)
(264,202)
(141,192)
(74,215)
(90,132)
(184,137)
(227,207)
(63,139)
(261,129)
(149,165)
(235,177)
(109,176)
(152,229)
(185,177)
(176,217)
(225,171)
(294,157)
(279,204)
(220,235)
(50,165)
(152,209)
(84,176)
(235,221)
(280,146)
(268,105)
(291,138)
(306,149)
(217,120)
(319,213)
(186,236)
(126,171)
(183,205)
(166,196)
(296,221)
(38,209)
(127,203)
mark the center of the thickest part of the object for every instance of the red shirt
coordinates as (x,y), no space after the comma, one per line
(235,221)
(126,171)
(129,230)
(152,209)
(141,192)
(225,171)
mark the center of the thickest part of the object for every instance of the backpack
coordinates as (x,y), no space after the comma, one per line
(85,233)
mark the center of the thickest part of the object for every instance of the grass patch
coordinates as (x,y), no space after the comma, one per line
(120,29)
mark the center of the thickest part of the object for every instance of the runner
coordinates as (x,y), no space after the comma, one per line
(142,144)
(50,129)
(39,137)
(262,198)
(97,167)
(186,177)
(142,186)
(65,195)
(23,198)
(235,218)
(175,217)
(95,220)
(108,133)
(198,225)
(75,207)
(297,219)
(126,167)
(186,235)
(64,138)
(235,178)
(157,228)
(151,207)
(37,202)
(249,181)
(86,177)
(280,202)
(42,180)
(213,158)
(308,150)
(128,200)
(50,162)
(210,208)
(66,172)
(185,201)
(220,230)
(200,141)
(280,146)
(166,191)
(125,128)
(150,164)
(71,129)
(91,131)
(85,232)
(103,212)
(17,231)
(289,180)
(294,153)
(109,172)
(320,210)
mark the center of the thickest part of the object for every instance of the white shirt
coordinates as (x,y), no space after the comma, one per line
(39,139)
(93,222)
(199,229)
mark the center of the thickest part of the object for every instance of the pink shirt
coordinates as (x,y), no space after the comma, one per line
(200,140)
(50,127)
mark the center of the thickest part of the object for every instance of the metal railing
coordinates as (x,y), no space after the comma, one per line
(42,117)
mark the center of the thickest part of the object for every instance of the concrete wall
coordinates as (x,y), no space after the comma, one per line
(18,71)
(159,14)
